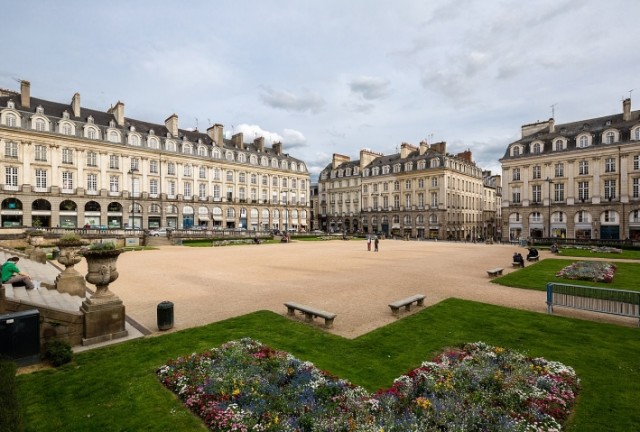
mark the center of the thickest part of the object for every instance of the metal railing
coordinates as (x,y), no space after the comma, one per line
(604,300)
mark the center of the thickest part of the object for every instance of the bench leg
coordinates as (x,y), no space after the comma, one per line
(395,311)
(421,302)
(328,322)
(408,307)
(291,311)
(308,317)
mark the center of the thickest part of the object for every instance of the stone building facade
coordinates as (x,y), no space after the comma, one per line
(576,180)
(420,192)
(69,166)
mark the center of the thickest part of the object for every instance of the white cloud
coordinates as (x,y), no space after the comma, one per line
(282,99)
(369,87)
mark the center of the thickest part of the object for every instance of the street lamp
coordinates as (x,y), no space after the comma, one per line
(131,172)
(549,182)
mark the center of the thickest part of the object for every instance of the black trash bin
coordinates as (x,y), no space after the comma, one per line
(165,315)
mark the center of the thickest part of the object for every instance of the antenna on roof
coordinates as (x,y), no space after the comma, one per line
(196,123)
(553,110)
(630,92)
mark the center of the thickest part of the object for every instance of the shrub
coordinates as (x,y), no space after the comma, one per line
(10,412)
(58,352)
(102,246)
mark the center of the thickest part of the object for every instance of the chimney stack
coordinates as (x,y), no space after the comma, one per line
(118,113)
(440,147)
(552,125)
(259,143)
(338,160)
(277,148)
(215,132)
(423,147)
(626,109)
(75,105)
(25,94)
(238,141)
(171,123)
(406,149)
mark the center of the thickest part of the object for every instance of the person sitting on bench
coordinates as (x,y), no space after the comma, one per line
(517,258)
(533,253)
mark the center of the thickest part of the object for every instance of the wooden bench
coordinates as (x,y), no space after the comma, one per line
(310,313)
(407,302)
(495,272)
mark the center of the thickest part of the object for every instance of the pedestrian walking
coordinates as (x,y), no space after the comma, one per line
(376,244)
(369,243)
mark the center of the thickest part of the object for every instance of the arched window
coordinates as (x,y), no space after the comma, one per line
(583,141)
(610,138)
(92,206)
(11,120)
(68,205)
(41,204)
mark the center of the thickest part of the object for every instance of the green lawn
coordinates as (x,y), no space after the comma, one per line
(626,254)
(536,276)
(115,388)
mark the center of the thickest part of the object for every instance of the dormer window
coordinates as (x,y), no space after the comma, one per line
(11,104)
(65,115)
(610,137)
(112,123)
(90,120)
(152,132)
(39,110)
(559,145)
(608,123)
(132,128)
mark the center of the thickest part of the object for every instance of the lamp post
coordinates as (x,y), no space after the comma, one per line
(131,172)
(549,182)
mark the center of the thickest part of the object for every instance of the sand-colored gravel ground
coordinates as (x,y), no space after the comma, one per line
(213,284)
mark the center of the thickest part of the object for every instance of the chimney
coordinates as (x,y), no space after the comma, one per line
(277,148)
(118,113)
(440,147)
(215,132)
(75,105)
(626,109)
(406,149)
(259,143)
(465,155)
(25,94)
(552,125)
(171,123)
(238,141)
(533,128)
(423,147)
(338,160)
(367,156)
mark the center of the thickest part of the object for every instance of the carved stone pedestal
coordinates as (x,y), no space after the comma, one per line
(69,280)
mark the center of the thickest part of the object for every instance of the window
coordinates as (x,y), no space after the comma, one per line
(558,192)
(92,182)
(40,125)
(171,168)
(11,176)
(153,143)
(134,140)
(610,138)
(434,182)
(242,158)
(636,134)
(559,170)
(10,120)
(536,193)
(583,141)
(11,150)
(407,200)
(516,174)
(114,137)
(516,151)
(66,129)
(91,133)
(434,199)
(92,159)
(536,217)
(216,191)
(153,167)
(230,176)
(609,189)
(515,195)
(172,188)
(537,148)
(202,172)
(610,165)
(636,187)
(135,164)
(202,151)
(67,156)
(583,167)
(274,181)
(114,184)
(559,145)
(202,190)
(153,187)
(41,179)
(187,170)
(396,185)
(537,172)
(609,216)
(396,202)
(41,153)
(583,191)
(242,177)
(67,180)
(636,162)
(407,184)
(114,162)
(187,189)
(216,174)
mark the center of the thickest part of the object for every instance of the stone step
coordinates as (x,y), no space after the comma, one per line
(44,297)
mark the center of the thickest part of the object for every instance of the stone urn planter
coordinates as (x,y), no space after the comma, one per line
(69,280)
(104,313)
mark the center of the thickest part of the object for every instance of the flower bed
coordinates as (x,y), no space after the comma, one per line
(247,386)
(589,270)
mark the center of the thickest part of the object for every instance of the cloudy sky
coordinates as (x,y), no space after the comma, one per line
(334,76)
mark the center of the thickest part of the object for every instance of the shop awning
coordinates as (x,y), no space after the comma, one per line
(203,218)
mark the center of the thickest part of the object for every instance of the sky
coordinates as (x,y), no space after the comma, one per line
(334,76)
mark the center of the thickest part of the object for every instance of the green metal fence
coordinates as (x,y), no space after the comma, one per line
(604,300)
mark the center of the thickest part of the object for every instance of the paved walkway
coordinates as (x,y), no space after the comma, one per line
(212,284)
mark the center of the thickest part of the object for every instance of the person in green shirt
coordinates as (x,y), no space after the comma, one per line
(12,274)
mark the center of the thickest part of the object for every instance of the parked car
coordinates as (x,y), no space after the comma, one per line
(159,232)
